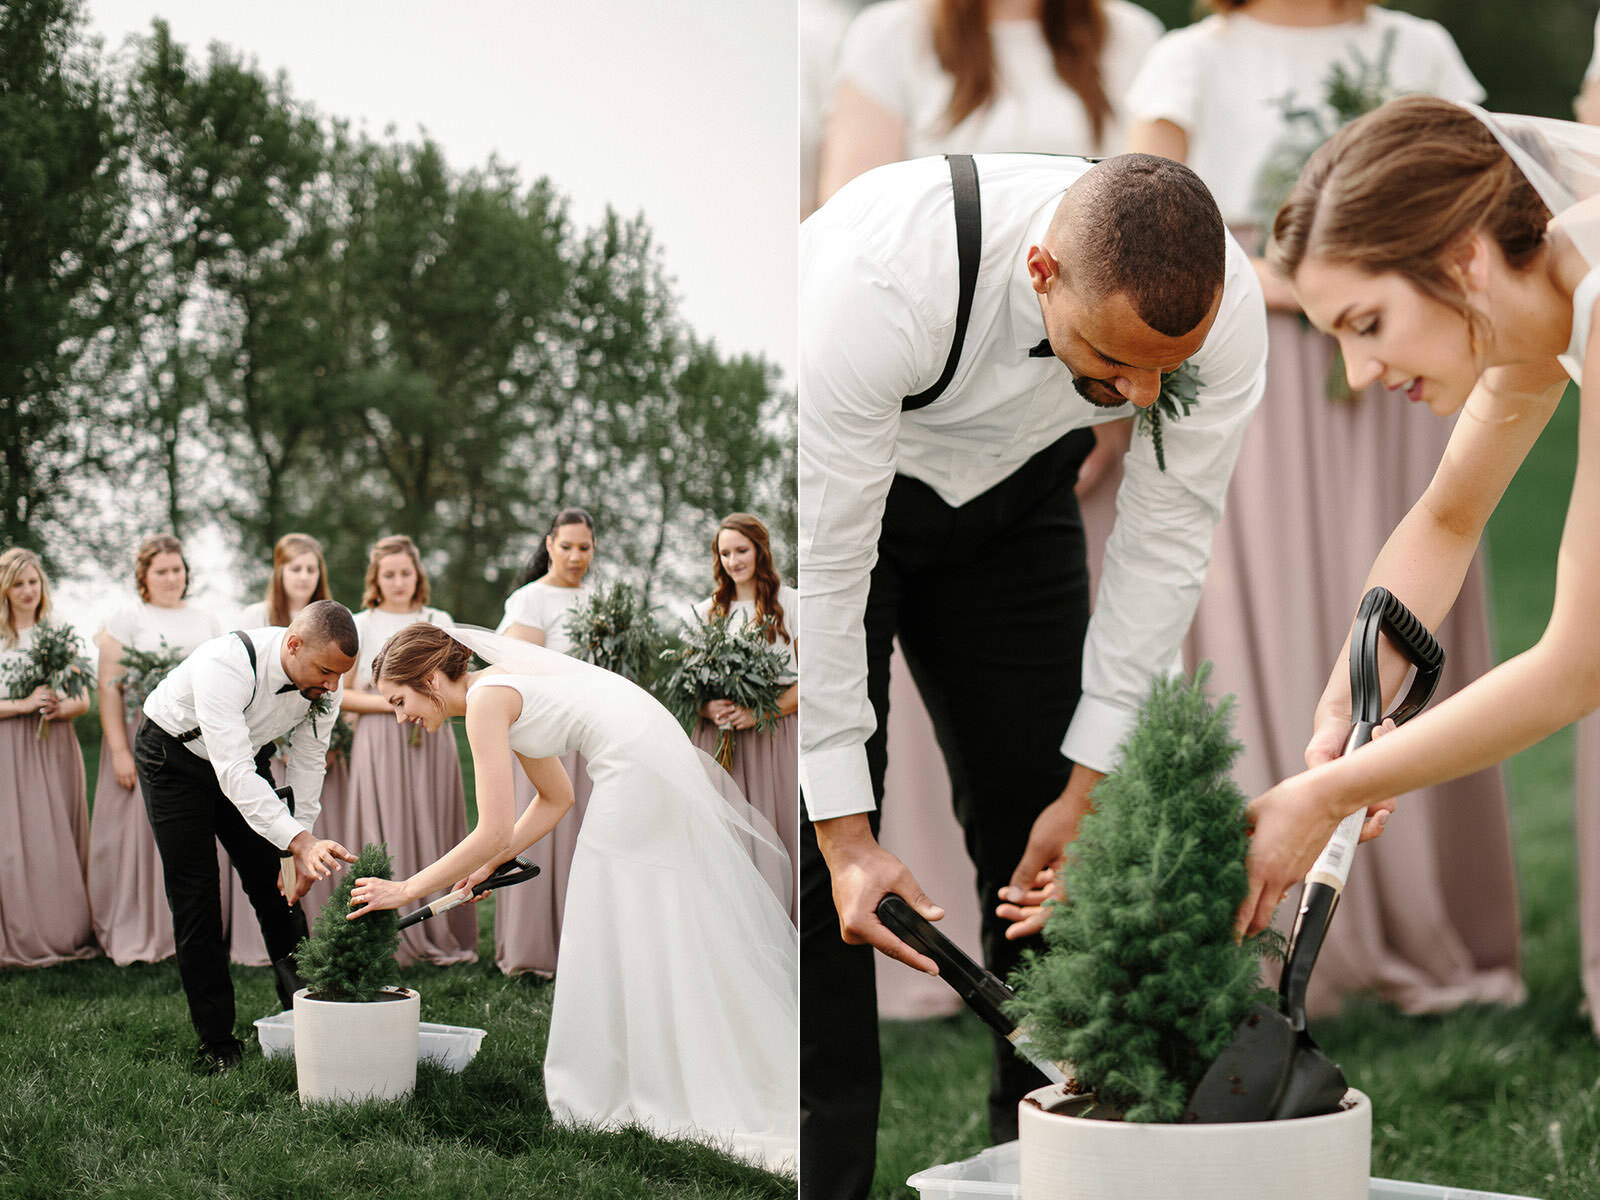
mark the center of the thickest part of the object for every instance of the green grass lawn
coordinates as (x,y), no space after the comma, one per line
(1484,1098)
(97,1098)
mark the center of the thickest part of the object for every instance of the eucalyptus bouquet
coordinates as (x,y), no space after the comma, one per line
(612,628)
(55,660)
(142,670)
(1350,90)
(719,661)
(340,739)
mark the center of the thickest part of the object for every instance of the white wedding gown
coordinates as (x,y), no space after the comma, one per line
(676,995)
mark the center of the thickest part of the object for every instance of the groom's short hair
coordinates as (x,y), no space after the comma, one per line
(328,623)
(1145,227)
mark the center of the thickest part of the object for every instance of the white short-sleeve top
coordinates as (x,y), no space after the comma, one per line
(144,627)
(374,628)
(888,53)
(1227,80)
(745,610)
(543,606)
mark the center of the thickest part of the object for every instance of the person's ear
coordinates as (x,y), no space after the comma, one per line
(1469,261)
(1042,268)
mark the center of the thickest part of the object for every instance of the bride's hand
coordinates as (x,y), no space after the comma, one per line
(473,880)
(374,895)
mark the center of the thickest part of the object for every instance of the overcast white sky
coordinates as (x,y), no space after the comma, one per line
(681,109)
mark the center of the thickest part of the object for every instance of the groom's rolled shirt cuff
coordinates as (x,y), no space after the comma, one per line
(836,783)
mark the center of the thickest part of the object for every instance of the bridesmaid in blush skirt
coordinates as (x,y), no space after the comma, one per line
(127,892)
(44,813)
(527,919)
(766,766)
(299,576)
(405,785)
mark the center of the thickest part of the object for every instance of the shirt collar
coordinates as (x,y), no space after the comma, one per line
(274,676)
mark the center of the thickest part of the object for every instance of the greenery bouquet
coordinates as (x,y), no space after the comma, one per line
(352,960)
(718,661)
(1142,983)
(55,660)
(612,628)
(142,670)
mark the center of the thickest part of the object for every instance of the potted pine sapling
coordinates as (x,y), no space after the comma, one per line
(355,1035)
(1142,985)
(612,628)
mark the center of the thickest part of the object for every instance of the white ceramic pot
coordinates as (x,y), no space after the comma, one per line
(351,1052)
(1068,1157)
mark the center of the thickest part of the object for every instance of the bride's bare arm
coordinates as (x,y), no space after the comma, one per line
(552,798)
(1426,558)
(1508,709)
(490,712)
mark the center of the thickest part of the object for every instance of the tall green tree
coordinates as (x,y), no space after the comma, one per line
(226,171)
(452,280)
(62,210)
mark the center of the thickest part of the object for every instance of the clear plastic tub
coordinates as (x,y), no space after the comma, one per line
(449,1046)
(994,1174)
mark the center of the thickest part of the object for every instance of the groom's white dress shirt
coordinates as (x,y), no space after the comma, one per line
(878,293)
(212,690)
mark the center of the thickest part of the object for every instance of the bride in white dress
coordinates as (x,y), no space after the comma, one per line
(676,996)
(1455,254)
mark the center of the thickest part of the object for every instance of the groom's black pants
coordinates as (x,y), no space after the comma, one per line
(190,815)
(990,602)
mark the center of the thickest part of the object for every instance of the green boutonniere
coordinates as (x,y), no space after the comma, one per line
(1180,390)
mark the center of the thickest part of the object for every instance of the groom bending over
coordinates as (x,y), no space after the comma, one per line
(948,386)
(202,753)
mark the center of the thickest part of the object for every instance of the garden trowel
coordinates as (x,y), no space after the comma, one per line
(513,870)
(1273,1070)
(984,991)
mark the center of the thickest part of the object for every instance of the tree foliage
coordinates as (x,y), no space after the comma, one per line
(237,312)
(1142,983)
(62,210)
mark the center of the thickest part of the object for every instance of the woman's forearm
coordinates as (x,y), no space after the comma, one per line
(113,718)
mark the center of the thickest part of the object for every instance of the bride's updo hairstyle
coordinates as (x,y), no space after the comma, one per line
(411,656)
(1397,189)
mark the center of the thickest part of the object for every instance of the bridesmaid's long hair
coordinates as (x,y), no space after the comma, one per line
(161,543)
(766,575)
(371,593)
(290,546)
(539,565)
(412,655)
(11,564)
(1075,31)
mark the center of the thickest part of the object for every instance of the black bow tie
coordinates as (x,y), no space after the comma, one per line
(288,687)
(1042,350)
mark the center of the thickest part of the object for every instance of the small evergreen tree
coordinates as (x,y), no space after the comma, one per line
(1142,982)
(352,960)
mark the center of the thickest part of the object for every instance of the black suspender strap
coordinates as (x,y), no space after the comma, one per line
(969,249)
(250,652)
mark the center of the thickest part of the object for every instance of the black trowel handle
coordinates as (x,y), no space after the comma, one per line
(983,991)
(1379,614)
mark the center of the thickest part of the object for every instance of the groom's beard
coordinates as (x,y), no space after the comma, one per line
(1098,392)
